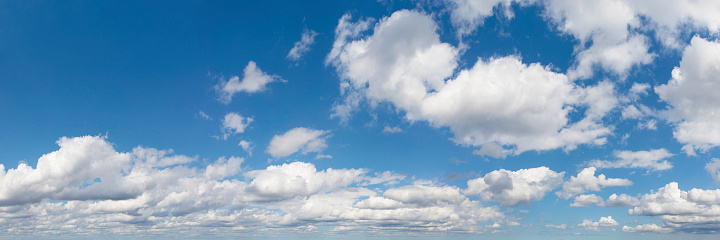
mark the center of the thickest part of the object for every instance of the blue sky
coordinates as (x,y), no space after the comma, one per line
(360,119)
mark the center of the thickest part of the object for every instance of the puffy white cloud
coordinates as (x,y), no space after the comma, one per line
(234,123)
(587,181)
(653,160)
(694,103)
(713,168)
(697,210)
(647,228)
(303,46)
(614,201)
(512,188)
(247,146)
(599,225)
(254,80)
(498,101)
(298,139)
(86,187)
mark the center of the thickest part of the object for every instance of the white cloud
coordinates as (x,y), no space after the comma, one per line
(647,228)
(303,46)
(468,15)
(561,226)
(631,112)
(86,184)
(692,96)
(391,130)
(247,146)
(697,210)
(512,188)
(234,123)
(491,150)
(713,168)
(614,201)
(599,225)
(203,115)
(298,140)
(653,160)
(586,181)
(254,80)
(498,101)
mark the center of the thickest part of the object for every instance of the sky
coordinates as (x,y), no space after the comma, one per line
(435,119)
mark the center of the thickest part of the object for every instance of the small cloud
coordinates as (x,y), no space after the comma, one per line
(254,80)
(203,115)
(391,130)
(247,146)
(303,46)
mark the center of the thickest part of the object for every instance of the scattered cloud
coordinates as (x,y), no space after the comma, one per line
(600,225)
(391,130)
(713,168)
(653,160)
(254,80)
(647,228)
(247,146)
(587,181)
(234,123)
(303,46)
(298,140)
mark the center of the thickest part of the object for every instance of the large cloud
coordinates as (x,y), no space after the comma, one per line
(87,187)
(697,210)
(512,188)
(692,96)
(498,101)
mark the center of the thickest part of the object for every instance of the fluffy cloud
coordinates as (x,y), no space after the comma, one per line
(653,160)
(599,225)
(254,80)
(498,101)
(646,228)
(298,139)
(512,188)
(87,183)
(697,210)
(247,146)
(614,201)
(713,168)
(234,123)
(586,181)
(303,46)
(694,103)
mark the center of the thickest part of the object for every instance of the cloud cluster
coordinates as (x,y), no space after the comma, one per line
(512,188)
(499,101)
(87,187)
(697,210)
(600,225)
(692,96)
(614,201)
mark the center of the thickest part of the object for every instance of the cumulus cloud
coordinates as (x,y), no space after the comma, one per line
(234,123)
(247,146)
(512,188)
(646,228)
(599,225)
(254,80)
(87,183)
(303,46)
(694,103)
(653,160)
(391,130)
(697,210)
(587,181)
(614,201)
(298,140)
(498,101)
(713,168)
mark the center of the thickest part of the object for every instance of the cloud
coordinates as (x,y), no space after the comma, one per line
(713,168)
(254,80)
(303,46)
(561,226)
(234,123)
(391,130)
(468,15)
(512,188)
(599,225)
(87,183)
(298,140)
(586,181)
(247,146)
(498,101)
(697,210)
(694,103)
(646,228)
(614,201)
(653,160)
(203,115)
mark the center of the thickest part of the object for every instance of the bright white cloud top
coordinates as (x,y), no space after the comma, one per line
(442,119)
